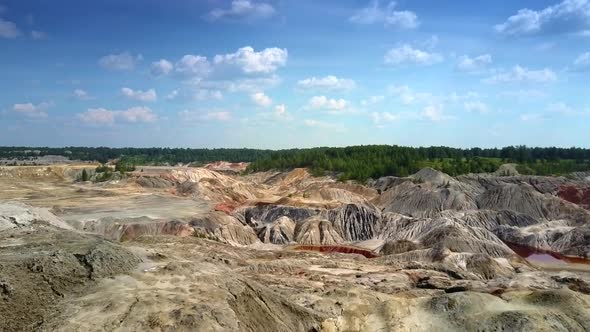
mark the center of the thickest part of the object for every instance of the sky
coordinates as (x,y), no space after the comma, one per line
(294,73)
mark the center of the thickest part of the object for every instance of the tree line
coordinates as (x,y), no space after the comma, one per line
(355,162)
(373,161)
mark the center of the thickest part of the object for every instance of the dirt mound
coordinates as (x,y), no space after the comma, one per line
(426,199)
(19,215)
(44,265)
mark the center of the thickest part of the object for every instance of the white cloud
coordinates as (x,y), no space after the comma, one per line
(380,118)
(193,65)
(329,83)
(162,67)
(206,94)
(222,116)
(281,110)
(31,110)
(323,125)
(530,117)
(324,103)
(218,116)
(408,96)
(476,106)
(434,112)
(250,85)
(582,62)
(568,16)
(37,35)
(522,74)
(565,109)
(406,54)
(251,62)
(386,15)
(123,61)
(8,29)
(138,114)
(260,99)
(243,9)
(102,116)
(81,94)
(475,64)
(525,94)
(372,100)
(97,116)
(172,95)
(144,96)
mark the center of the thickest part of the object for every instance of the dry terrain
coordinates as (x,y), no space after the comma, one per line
(207,249)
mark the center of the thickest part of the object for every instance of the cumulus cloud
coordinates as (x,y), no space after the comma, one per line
(102,116)
(206,94)
(474,65)
(162,67)
(386,15)
(8,29)
(222,116)
(240,9)
(522,74)
(38,35)
(172,95)
(530,117)
(407,55)
(329,82)
(476,106)
(250,85)
(408,96)
(565,109)
(434,112)
(322,124)
(525,94)
(81,94)
(281,110)
(31,110)
(251,62)
(381,118)
(260,99)
(144,96)
(582,62)
(123,61)
(372,100)
(324,103)
(193,65)
(568,16)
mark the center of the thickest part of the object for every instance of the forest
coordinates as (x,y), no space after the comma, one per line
(349,163)
(373,161)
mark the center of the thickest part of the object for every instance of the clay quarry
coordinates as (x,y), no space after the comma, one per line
(211,249)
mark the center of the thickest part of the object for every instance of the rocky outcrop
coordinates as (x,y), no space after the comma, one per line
(355,222)
(267,213)
(224,228)
(315,231)
(280,231)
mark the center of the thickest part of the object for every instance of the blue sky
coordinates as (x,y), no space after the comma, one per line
(286,73)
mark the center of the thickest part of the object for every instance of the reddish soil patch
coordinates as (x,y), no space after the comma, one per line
(545,256)
(227,208)
(576,195)
(340,249)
